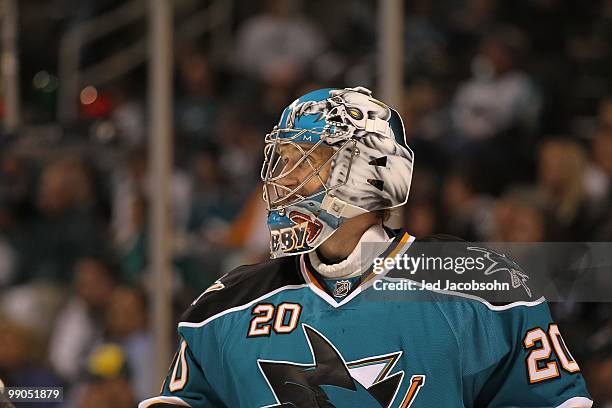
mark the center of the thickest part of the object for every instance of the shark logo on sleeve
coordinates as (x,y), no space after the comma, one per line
(499,263)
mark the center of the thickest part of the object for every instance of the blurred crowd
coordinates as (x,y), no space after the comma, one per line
(507,106)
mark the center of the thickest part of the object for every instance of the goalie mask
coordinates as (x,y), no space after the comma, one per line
(335,154)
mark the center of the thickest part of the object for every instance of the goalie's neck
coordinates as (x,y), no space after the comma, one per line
(357,260)
(344,240)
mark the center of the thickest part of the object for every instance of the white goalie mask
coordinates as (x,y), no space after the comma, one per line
(335,154)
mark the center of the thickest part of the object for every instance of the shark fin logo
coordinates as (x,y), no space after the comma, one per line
(329,381)
(501,263)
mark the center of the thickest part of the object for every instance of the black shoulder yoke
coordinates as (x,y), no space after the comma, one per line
(489,268)
(243,285)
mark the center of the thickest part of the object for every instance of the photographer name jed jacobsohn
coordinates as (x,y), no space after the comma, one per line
(407,284)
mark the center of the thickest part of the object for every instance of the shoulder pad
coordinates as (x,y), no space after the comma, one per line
(243,285)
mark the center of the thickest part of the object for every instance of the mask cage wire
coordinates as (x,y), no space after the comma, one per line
(278,196)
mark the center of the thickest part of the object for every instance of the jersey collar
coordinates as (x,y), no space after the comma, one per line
(398,246)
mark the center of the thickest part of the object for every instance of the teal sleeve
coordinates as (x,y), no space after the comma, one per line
(534,366)
(186,384)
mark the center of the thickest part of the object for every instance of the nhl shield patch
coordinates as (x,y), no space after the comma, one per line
(343,287)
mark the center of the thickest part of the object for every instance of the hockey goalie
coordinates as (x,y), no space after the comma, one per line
(300,330)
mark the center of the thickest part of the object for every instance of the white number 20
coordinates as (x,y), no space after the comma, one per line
(539,365)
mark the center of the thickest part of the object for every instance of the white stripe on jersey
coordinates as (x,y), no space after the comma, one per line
(577,402)
(161,399)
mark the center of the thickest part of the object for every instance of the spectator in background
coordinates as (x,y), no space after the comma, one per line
(69,225)
(213,206)
(126,325)
(132,180)
(129,182)
(421,108)
(128,116)
(467,214)
(502,219)
(107,380)
(427,122)
(21,359)
(495,113)
(500,96)
(209,207)
(424,41)
(240,146)
(562,183)
(133,247)
(520,216)
(132,186)
(196,106)
(276,45)
(421,219)
(80,323)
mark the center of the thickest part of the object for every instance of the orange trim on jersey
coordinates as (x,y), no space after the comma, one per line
(312,279)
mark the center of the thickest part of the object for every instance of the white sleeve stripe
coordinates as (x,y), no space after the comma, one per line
(577,402)
(161,399)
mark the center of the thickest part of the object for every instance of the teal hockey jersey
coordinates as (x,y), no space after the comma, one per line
(274,335)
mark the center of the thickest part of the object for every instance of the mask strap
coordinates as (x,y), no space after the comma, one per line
(339,208)
(378,126)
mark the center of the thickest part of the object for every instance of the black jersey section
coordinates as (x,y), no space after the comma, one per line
(496,267)
(393,232)
(440,238)
(243,285)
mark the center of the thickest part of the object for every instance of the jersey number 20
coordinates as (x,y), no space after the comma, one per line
(282,319)
(539,365)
